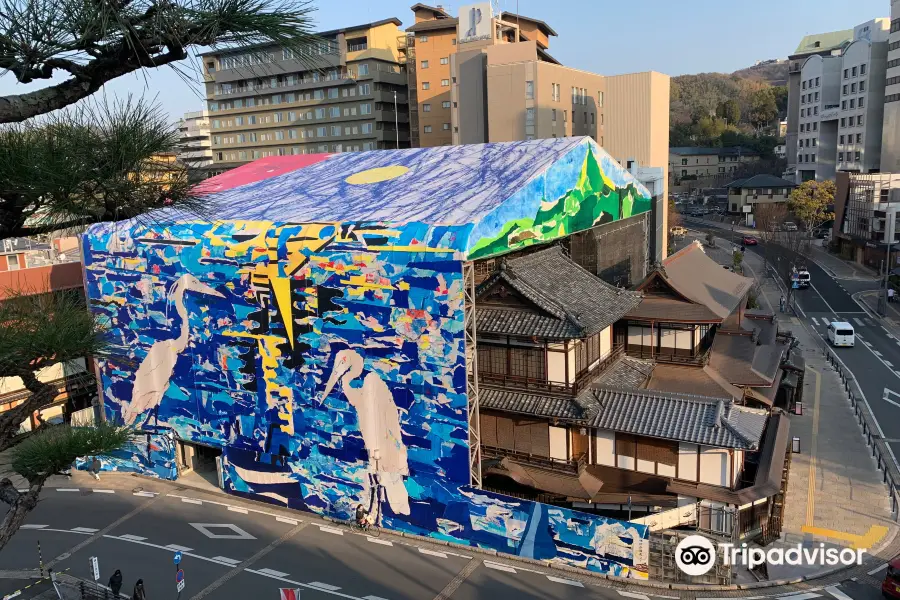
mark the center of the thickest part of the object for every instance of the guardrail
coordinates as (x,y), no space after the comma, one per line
(881,452)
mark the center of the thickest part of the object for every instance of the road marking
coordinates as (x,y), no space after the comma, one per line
(324,586)
(225,559)
(238,509)
(432,553)
(823,299)
(145,494)
(869,322)
(136,538)
(104,491)
(177,548)
(834,591)
(32,526)
(569,582)
(633,595)
(881,568)
(373,598)
(272,572)
(814,320)
(327,529)
(67,490)
(236,532)
(801,596)
(880,355)
(858,322)
(498,567)
(889,363)
(191,501)
(889,401)
(382,542)
(85,529)
(286,520)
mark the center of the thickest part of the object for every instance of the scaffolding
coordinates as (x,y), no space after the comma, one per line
(472,375)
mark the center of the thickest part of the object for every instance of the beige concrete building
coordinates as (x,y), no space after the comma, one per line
(700,163)
(338,96)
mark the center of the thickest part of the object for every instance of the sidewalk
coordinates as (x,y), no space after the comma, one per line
(836,493)
(840,268)
(892,320)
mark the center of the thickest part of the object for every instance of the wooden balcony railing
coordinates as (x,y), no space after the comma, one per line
(581,382)
(569,466)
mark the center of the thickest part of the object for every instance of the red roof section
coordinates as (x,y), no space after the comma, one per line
(264,168)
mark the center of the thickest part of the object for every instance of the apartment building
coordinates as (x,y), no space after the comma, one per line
(841,106)
(194,140)
(695,162)
(890,141)
(346,93)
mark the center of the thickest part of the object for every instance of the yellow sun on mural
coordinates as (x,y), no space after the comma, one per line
(376,175)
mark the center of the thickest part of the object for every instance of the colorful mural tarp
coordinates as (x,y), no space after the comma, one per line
(148,454)
(315,332)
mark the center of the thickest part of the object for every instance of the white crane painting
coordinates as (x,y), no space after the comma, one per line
(152,376)
(379,423)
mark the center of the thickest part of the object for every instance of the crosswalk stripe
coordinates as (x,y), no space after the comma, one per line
(324,586)
(32,526)
(876,353)
(191,501)
(85,529)
(858,322)
(633,595)
(881,568)
(889,363)
(805,596)
(814,320)
(432,553)
(834,591)
(326,529)
(133,538)
(272,572)
(225,559)
(382,542)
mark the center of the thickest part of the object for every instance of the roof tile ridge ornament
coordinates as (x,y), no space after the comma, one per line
(727,424)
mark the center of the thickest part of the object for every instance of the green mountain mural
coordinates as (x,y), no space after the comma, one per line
(594,200)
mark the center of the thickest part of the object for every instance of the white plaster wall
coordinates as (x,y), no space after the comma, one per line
(687,461)
(558,448)
(715,466)
(605,448)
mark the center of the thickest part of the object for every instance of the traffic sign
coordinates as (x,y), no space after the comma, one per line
(179,576)
(95,568)
(180,586)
(177,557)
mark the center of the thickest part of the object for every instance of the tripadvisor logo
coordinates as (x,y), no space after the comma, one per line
(695,555)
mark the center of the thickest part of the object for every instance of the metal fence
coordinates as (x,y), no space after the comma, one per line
(886,462)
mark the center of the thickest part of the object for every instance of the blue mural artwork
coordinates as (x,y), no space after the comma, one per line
(316,332)
(147,454)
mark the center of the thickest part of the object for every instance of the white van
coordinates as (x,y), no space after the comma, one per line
(840,333)
(803,278)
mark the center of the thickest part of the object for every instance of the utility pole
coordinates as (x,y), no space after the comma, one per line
(891,225)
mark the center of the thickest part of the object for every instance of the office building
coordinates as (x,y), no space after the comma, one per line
(890,142)
(347,93)
(194,140)
(695,162)
(841,105)
(819,44)
(864,205)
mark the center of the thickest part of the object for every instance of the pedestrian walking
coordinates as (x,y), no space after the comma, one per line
(115,582)
(891,294)
(95,468)
(139,593)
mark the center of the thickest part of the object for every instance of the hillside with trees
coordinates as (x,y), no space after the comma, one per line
(718,109)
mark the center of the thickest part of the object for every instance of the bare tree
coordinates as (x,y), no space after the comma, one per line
(769,216)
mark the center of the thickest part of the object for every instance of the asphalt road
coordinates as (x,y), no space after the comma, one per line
(237,551)
(874,361)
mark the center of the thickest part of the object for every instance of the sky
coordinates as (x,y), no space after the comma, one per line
(602,36)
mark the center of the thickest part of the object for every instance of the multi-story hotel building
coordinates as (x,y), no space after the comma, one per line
(194,140)
(347,93)
(840,104)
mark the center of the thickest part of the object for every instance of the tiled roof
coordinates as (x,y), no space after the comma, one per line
(684,379)
(580,301)
(673,310)
(433,25)
(762,181)
(531,403)
(697,277)
(750,359)
(693,419)
(515,321)
(627,372)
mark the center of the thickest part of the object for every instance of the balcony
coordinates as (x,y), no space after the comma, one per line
(582,381)
(665,355)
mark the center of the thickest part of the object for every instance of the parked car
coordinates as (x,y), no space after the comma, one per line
(890,587)
(749,240)
(678,231)
(789,226)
